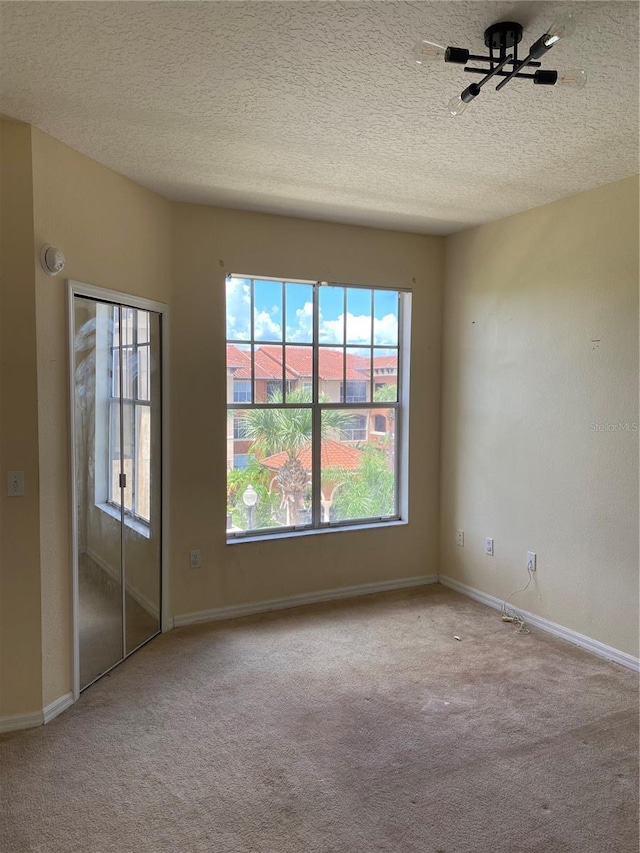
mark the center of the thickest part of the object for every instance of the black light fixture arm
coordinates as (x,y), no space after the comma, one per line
(479,58)
(537,49)
(472,91)
(495,71)
(501,40)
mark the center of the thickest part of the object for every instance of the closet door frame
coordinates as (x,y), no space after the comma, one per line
(128,300)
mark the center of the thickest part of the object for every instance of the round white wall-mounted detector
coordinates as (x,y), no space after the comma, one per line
(52,260)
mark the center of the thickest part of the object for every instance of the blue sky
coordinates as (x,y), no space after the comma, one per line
(269,304)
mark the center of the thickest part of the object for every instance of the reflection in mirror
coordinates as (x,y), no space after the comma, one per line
(117,462)
(98,536)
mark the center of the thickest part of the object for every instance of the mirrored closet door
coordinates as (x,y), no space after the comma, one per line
(116,383)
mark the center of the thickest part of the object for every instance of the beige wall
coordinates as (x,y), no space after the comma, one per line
(208,243)
(20,640)
(115,235)
(541,342)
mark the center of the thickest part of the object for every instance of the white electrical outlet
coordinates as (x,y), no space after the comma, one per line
(15,484)
(460,538)
(531,561)
(195,560)
(488,547)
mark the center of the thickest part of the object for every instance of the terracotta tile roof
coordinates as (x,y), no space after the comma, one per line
(299,359)
(237,357)
(335,454)
(265,366)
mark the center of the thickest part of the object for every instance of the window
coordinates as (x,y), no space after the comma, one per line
(241,391)
(315,460)
(131,368)
(274,388)
(355,428)
(356,392)
(240,428)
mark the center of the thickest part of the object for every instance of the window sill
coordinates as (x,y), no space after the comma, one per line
(139,527)
(294,534)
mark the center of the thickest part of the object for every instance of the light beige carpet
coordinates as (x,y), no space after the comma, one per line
(354,727)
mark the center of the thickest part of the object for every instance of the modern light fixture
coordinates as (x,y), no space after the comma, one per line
(501,38)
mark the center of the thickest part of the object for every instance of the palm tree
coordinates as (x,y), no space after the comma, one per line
(289,430)
(368,492)
(388,394)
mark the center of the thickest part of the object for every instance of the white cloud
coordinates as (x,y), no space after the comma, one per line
(359,329)
(304,329)
(386,330)
(265,328)
(238,308)
(331,331)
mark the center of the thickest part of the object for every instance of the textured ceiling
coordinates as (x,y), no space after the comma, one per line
(316,109)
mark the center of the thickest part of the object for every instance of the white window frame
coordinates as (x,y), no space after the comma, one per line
(401,407)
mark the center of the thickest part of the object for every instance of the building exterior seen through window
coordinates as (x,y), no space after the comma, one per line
(313,404)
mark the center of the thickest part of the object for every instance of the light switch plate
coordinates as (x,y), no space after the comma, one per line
(15,484)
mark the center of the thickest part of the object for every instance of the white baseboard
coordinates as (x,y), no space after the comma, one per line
(114,574)
(51,711)
(581,640)
(234,611)
(16,722)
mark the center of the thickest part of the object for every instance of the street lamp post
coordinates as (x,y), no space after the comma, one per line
(250,499)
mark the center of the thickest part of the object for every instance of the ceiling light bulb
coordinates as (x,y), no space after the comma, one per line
(573,78)
(457,106)
(426,51)
(561,28)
